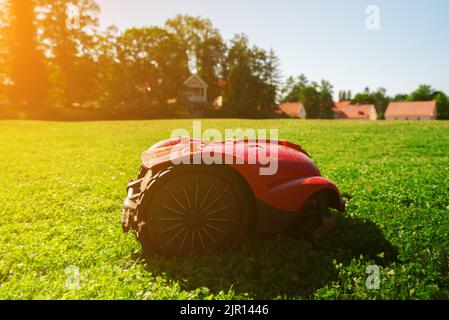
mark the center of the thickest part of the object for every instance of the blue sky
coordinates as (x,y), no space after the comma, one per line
(324,39)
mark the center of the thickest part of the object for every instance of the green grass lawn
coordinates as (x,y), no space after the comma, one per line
(62,185)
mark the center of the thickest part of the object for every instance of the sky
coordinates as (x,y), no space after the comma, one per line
(406,46)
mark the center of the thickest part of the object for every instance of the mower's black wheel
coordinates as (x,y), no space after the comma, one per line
(192,208)
(314,220)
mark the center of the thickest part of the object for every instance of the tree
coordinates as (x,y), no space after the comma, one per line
(400,97)
(344,95)
(442,102)
(27,68)
(364,97)
(427,93)
(107,62)
(291,92)
(205,48)
(326,100)
(317,98)
(310,97)
(69,29)
(266,77)
(4,22)
(287,91)
(239,96)
(271,77)
(148,71)
(423,93)
(252,79)
(378,98)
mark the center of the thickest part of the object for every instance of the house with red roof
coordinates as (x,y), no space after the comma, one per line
(293,109)
(342,104)
(415,110)
(346,110)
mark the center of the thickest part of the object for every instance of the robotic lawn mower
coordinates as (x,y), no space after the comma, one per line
(178,207)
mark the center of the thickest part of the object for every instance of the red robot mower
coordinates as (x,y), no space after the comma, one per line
(183,202)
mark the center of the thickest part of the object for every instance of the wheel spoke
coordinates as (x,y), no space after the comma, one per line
(171,228)
(196,194)
(201,240)
(176,236)
(177,201)
(205,197)
(169,219)
(183,241)
(173,210)
(213,202)
(216,211)
(210,236)
(216,229)
(186,196)
(194,212)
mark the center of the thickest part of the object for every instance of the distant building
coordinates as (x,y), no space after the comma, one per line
(195,89)
(293,109)
(339,114)
(196,94)
(356,112)
(342,104)
(416,110)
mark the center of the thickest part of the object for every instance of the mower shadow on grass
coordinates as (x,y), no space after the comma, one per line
(280,267)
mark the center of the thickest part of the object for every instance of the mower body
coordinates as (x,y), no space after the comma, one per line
(276,199)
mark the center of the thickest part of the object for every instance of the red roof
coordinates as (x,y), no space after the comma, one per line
(415,108)
(342,104)
(361,111)
(291,108)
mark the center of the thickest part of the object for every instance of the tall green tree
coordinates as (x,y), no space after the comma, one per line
(107,62)
(27,67)
(148,71)
(271,77)
(326,100)
(239,96)
(252,77)
(69,29)
(311,98)
(442,102)
(423,93)
(266,77)
(291,92)
(344,95)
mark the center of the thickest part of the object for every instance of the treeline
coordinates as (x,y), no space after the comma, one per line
(317,97)
(59,64)
(50,59)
